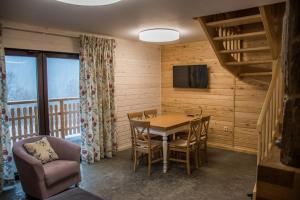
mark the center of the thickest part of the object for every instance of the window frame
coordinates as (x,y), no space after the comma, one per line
(42,77)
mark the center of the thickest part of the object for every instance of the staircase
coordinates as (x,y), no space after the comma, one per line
(246,41)
(274,180)
(248,44)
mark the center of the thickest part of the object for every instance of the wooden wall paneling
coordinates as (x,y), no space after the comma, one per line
(233,103)
(248,102)
(137,83)
(216,101)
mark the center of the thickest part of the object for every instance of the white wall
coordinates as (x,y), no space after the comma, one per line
(137,70)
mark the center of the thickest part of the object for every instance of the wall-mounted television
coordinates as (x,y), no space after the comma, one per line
(190,76)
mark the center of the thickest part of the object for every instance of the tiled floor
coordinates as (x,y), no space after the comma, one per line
(228,175)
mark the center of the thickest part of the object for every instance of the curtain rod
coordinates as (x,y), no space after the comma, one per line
(41,32)
(69,35)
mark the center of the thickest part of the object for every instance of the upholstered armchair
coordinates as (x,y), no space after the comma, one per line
(44,180)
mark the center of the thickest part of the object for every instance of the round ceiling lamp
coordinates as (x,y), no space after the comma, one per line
(89,2)
(159,35)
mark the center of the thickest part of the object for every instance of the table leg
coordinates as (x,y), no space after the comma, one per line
(165,153)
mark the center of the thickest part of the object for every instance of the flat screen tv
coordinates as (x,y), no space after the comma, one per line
(190,76)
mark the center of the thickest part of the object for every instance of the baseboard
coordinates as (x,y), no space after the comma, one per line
(230,148)
(125,147)
(214,145)
(246,150)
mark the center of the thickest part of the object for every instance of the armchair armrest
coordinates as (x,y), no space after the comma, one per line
(65,150)
(28,166)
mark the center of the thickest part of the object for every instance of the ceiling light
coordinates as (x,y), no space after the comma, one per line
(90,2)
(159,35)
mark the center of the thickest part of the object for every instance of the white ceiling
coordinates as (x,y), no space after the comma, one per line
(124,19)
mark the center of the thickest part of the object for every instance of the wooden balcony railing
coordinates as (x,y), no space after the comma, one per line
(64,118)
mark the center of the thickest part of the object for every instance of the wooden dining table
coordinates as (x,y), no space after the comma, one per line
(165,125)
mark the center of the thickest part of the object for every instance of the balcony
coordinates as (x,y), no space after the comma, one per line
(64,120)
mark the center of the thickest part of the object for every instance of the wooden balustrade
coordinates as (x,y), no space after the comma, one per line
(63,118)
(271,113)
(230,45)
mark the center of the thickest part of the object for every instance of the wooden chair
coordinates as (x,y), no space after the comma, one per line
(132,116)
(203,136)
(144,145)
(150,113)
(135,115)
(195,112)
(187,146)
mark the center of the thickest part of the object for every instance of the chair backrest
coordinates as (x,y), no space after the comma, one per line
(55,142)
(135,115)
(195,112)
(19,145)
(205,126)
(194,131)
(150,113)
(141,135)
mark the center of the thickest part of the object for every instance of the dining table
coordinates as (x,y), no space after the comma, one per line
(168,124)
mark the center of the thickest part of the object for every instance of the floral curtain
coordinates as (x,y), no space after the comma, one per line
(6,161)
(97,107)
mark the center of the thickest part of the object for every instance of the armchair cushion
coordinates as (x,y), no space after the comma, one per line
(41,150)
(59,170)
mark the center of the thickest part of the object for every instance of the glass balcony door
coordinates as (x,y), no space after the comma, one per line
(22,86)
(63,96)
(43,94)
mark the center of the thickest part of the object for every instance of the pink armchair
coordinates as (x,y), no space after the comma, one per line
(42,181)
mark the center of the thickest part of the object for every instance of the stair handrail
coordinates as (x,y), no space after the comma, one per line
(268,118)
(269,94)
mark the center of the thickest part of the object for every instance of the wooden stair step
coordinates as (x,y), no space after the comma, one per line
(236,21)
(256,74)
(257,34)
(245,50)
(254,62)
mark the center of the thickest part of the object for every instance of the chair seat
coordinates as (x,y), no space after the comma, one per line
(155,144)
(182,135)
(180,143)
(155,137)
(58,170)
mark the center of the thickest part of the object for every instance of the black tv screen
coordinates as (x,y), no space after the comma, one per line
(192,76)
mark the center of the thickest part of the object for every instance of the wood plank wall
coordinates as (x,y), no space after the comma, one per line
(249,97)
(137,83)
(137,71)
(233,104)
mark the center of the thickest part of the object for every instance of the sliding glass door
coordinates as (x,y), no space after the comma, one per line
(43,94)
(22,87)
(63,96)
